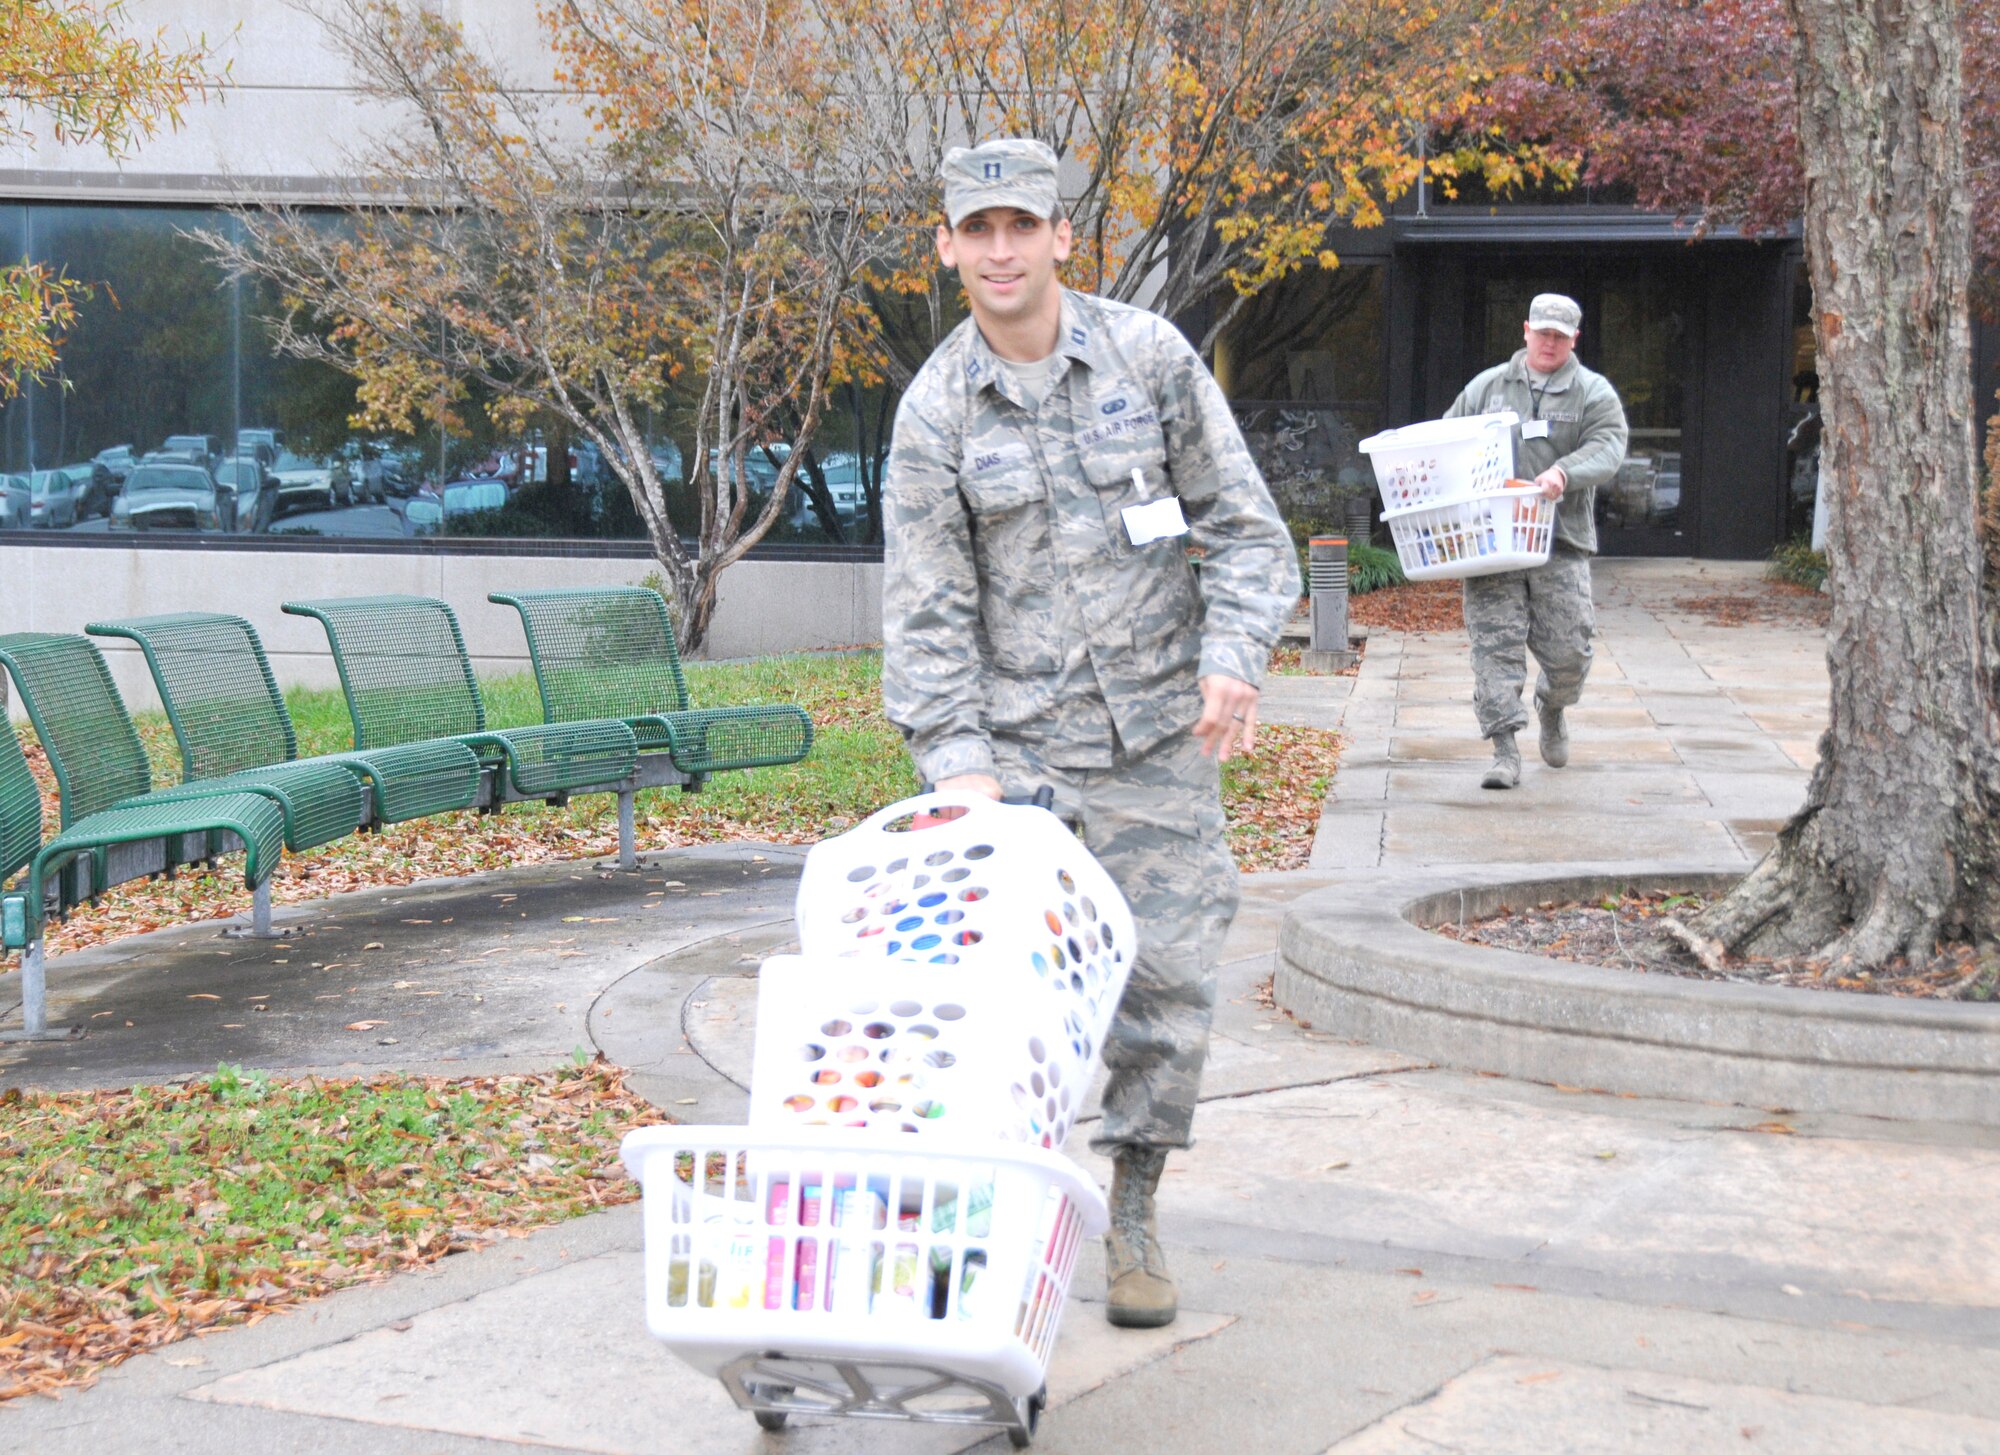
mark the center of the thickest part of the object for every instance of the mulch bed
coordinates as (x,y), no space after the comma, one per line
(1415,606)
(1773,603)
(1635,933)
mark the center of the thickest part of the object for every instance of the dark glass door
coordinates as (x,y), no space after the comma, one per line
(1635,333)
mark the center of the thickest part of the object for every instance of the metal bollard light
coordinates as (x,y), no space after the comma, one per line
(1326,580)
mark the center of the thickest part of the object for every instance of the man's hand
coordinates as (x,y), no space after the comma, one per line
(963,783)
(1553,482)
(1228,722)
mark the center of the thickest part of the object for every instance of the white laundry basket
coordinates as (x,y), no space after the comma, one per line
(1475,535)
(1439,459)
(1004,886)
(799,1268)
(936,1051)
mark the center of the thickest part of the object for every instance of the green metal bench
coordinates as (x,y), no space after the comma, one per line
(404,669)
(231,722)
(610,652)
(99,762)
(113,844)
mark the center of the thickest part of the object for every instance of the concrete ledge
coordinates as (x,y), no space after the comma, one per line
(1357,960)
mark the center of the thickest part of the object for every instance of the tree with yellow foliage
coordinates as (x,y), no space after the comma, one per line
(73,69)
(1208,144)
(694,198)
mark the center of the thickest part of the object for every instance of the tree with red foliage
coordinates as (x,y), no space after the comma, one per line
(1690,104)
(1877,125)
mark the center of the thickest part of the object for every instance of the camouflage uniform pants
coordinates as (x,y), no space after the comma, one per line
(1154,821)
(1547,611)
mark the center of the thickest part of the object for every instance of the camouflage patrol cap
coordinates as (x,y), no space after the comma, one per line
(1009,172)
(1553,310)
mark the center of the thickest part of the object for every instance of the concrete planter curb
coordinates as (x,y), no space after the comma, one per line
(1357,960)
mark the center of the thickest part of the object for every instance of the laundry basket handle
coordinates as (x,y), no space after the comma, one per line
(930,800)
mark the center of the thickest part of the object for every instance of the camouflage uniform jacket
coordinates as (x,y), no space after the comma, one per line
(1586,433)
(1014,602)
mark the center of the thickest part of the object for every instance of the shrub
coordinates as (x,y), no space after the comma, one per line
(1370,568)
(1797,562)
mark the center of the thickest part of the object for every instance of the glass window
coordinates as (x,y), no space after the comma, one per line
(171,360)
(1302,363)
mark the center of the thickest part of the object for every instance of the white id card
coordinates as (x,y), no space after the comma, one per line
(1155,520)
(1535,429)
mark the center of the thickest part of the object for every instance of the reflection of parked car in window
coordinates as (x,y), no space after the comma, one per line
(367,471)
(303,482)
(14,498)
(427,513)
(205,448)
(256,497)
(403,466)
(94,488)
(1667,489)
(267,444)
(52,500)
(173,496)
(118,461)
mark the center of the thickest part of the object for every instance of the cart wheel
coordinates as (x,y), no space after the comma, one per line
(773,1420)
(1031,1416)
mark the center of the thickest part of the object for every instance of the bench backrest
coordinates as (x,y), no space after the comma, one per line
(402,665)
(80,718)
(20,807)
(601,651)
(216,683)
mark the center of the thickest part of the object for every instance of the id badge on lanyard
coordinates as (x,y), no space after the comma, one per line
(1152,520)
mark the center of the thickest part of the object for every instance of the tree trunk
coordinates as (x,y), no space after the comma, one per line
(1898,842)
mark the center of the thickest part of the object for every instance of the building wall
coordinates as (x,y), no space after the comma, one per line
(284,122)
(765,606)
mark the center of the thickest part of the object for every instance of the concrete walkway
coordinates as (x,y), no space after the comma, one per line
(1693,741)
(1375,1255)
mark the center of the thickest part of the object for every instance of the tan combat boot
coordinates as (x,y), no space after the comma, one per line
(1506,769)
(1142,1293)
(1555,737)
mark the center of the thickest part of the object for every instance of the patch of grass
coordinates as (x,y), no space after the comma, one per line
(1797,562)
(1273,798)
(134,1218)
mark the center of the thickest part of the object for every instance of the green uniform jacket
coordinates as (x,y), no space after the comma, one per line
(1586,434)
(1013,601)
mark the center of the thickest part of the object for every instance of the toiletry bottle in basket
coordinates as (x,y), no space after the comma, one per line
(806,1282)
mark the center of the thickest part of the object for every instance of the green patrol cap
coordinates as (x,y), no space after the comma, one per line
(1010,172)
(1554,310)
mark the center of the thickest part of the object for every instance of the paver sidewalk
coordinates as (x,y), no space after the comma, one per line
(1693,741)
(1377,1257)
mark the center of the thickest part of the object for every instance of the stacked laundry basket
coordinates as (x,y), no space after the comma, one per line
(1449,501)
(893,1234)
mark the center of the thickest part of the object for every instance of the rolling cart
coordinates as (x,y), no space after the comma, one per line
(893,1235)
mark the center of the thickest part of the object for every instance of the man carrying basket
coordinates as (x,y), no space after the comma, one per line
(1571,439)
(1052,463)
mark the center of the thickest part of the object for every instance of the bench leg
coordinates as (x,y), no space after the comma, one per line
(260,918)
(35,1002)
(628,838)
